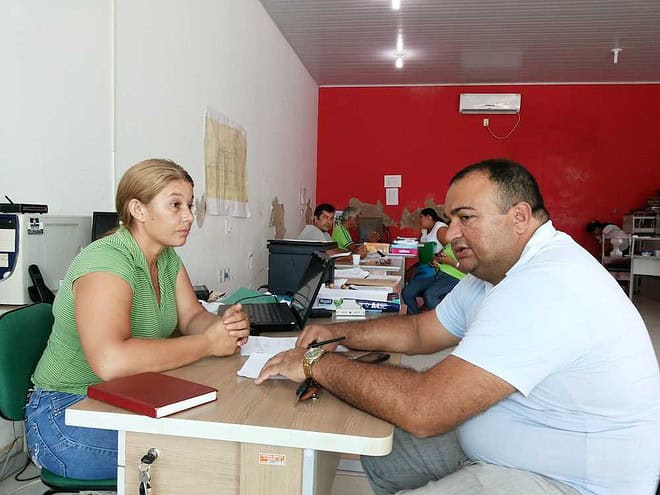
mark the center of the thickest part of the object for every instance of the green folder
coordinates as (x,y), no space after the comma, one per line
(425,252)
(243,294)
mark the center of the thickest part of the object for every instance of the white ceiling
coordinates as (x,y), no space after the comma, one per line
(352,42)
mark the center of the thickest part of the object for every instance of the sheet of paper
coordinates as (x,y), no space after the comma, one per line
(355,272)
(267,345)
(391,196)
(252,367)
(392,181)
(211,307)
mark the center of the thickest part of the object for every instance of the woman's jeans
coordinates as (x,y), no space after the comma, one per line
(433,289)
(70,451)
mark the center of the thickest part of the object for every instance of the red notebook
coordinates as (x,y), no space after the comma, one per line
(152,394)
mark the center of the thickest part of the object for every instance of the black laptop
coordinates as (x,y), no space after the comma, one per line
(279,316)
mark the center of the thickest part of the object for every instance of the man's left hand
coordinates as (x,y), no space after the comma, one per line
(287,363)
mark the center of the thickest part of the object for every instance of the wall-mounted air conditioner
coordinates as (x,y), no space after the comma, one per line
(489,103)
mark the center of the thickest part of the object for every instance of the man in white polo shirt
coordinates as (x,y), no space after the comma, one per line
(553,387)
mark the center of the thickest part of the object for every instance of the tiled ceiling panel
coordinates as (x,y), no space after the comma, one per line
(353,42)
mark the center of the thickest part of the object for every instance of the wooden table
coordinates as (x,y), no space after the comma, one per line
(250,441)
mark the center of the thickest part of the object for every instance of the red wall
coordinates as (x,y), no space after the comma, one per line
(594,149)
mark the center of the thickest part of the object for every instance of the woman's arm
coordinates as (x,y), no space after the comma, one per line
(442,235)
(194,319)
(102,313)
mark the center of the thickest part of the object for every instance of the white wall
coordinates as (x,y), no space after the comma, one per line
(166,60)
(173,59)
(55,104)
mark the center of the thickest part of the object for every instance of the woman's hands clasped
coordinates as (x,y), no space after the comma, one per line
(229,331)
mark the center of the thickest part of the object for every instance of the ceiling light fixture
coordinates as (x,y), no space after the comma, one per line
(615,52)
(396,4)
(399,44)
(399,51)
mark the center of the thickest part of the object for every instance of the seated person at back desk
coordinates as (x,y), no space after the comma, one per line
(324,217)
(434,288)
(341,233)
(553,387)
(122,297)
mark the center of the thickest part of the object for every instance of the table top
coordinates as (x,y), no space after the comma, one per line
(248,413)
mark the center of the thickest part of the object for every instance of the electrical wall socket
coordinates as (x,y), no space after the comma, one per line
(486,122)
(224,274)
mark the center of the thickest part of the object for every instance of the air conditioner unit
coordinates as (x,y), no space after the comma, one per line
(489,103)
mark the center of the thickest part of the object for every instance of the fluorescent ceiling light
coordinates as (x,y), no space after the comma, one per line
(396,4)
(399,62)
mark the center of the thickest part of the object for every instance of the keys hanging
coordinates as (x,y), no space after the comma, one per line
(144,472)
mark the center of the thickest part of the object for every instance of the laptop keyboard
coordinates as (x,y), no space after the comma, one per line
(268,313)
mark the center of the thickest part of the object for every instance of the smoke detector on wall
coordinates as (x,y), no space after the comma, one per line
(489,103)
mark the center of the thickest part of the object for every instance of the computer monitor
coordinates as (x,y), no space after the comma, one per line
(366,225)
(288,260)
(103,222)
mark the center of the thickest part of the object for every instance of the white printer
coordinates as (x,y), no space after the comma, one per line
(29,237)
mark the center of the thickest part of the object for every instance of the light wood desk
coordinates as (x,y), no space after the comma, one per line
(250,441)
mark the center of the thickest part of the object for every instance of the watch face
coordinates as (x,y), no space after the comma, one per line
(313,353)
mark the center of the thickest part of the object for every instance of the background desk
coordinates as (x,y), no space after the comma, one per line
(643,265)
(225,447)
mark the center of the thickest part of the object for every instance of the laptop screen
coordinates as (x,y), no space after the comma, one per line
(303,298)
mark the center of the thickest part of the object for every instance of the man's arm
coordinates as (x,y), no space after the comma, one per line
(424,404)
(412,334)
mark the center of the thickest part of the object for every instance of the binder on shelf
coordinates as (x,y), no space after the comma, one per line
(152,394)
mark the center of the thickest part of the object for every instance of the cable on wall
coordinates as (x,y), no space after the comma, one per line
(507,134)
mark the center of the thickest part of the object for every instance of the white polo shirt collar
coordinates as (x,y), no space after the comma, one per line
(541,238)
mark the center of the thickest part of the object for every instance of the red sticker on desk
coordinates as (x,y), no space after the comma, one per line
(272,459)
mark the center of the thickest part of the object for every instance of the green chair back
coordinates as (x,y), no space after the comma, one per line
(24,333)
(425,252)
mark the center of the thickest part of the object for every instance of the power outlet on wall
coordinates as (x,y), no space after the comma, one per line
(224,275)
(486,122)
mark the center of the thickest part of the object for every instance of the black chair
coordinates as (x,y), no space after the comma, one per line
(24,333)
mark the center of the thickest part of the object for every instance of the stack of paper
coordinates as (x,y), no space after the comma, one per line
(261,349)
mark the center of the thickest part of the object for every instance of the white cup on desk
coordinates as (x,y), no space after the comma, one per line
(356,259)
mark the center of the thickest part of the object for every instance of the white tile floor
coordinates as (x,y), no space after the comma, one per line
(351,483)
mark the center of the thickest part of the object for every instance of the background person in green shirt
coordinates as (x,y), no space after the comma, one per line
(121,298)
(341,233)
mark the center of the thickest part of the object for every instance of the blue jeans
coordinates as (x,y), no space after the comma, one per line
(70,451)
(433,289)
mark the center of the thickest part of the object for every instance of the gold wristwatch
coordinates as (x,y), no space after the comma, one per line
(310,358)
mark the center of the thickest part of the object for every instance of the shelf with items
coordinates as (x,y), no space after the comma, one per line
(645,257)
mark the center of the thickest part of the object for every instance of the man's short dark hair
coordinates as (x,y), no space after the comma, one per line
(514,184)
(323,207)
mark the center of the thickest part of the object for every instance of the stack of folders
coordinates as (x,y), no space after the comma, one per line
(370,298)
(152,394)
(404,245)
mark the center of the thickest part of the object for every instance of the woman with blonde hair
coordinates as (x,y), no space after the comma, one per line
(121,299)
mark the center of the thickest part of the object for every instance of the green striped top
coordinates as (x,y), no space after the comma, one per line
(63,366)
(342,236)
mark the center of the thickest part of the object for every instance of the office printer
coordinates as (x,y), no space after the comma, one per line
(32,238)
